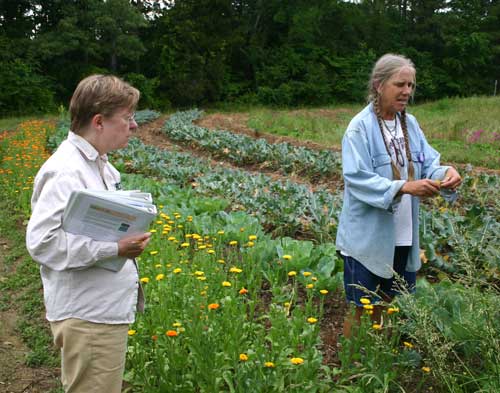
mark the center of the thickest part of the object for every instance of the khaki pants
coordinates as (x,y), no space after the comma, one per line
(92,355)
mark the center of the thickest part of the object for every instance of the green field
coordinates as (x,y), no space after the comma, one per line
(464,130)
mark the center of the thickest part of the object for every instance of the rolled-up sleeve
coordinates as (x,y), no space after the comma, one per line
(364,183)
(46,241)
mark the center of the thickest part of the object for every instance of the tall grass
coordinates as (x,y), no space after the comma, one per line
(464,130)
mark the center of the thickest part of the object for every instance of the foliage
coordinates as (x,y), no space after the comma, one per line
(24,91)
(23,152)
(146,115)
(244,150)
(286,208)
(269,52)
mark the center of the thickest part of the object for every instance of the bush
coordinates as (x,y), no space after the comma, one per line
(23,90)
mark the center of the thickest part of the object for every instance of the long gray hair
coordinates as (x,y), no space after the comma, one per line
(385,67)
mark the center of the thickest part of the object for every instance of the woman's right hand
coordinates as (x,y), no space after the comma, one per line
(421,188)
(133,246)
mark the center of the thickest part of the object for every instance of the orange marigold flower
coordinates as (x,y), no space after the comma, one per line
(171,333)
(213,306)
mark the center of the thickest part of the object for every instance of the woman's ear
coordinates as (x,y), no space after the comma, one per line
(378,87)
(97,122)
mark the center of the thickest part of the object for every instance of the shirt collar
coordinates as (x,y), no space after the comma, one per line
(85,147)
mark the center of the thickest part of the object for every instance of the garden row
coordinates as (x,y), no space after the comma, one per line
(244,150)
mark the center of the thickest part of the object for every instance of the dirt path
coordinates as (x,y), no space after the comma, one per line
(15,376)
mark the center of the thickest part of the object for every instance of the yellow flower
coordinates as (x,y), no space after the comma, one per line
(310,286)
(368,306)
(226,284)
(202,247)
(144,280)
(306,274)
(252,237)
(171,238)
(177,270)
(211,251)
(153,252)
(152,230)
(376,326)
(196,236)
(269,364)
(131,332)
(297,360)
(292,273)
(314,278)
(235,270)
(188,236)
(243,357)
(407,344)
(158,265)
(221,261)
(392,310)
(233,243)
(160,277)
(220,232)
(201,278)
(250,244)
(365,300)
(312,320)
(176,324)
(323,291)
(184,245)
(198,273)
(287,257)
(426,369)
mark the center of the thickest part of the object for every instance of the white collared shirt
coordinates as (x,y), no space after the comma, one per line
(73,286)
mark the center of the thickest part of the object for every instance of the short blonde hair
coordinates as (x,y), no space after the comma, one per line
(104,94)
(385,67)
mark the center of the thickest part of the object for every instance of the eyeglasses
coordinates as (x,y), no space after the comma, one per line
(130,118)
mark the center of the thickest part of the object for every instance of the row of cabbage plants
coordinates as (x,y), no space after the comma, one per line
(245,150)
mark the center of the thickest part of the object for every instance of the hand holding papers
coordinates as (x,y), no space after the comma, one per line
(108,216)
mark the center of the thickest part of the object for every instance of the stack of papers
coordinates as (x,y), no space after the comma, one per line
(109,216)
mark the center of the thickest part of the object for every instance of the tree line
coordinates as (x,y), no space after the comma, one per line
(284,53)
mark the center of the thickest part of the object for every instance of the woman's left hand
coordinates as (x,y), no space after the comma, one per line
(451,179)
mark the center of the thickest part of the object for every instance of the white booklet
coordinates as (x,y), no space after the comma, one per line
(108,216)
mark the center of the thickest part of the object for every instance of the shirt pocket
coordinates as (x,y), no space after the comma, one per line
(382,165)
(417,163)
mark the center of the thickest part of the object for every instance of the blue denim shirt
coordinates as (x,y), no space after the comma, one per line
(366,224)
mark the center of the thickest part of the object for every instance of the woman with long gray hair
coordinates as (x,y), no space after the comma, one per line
(387,167)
